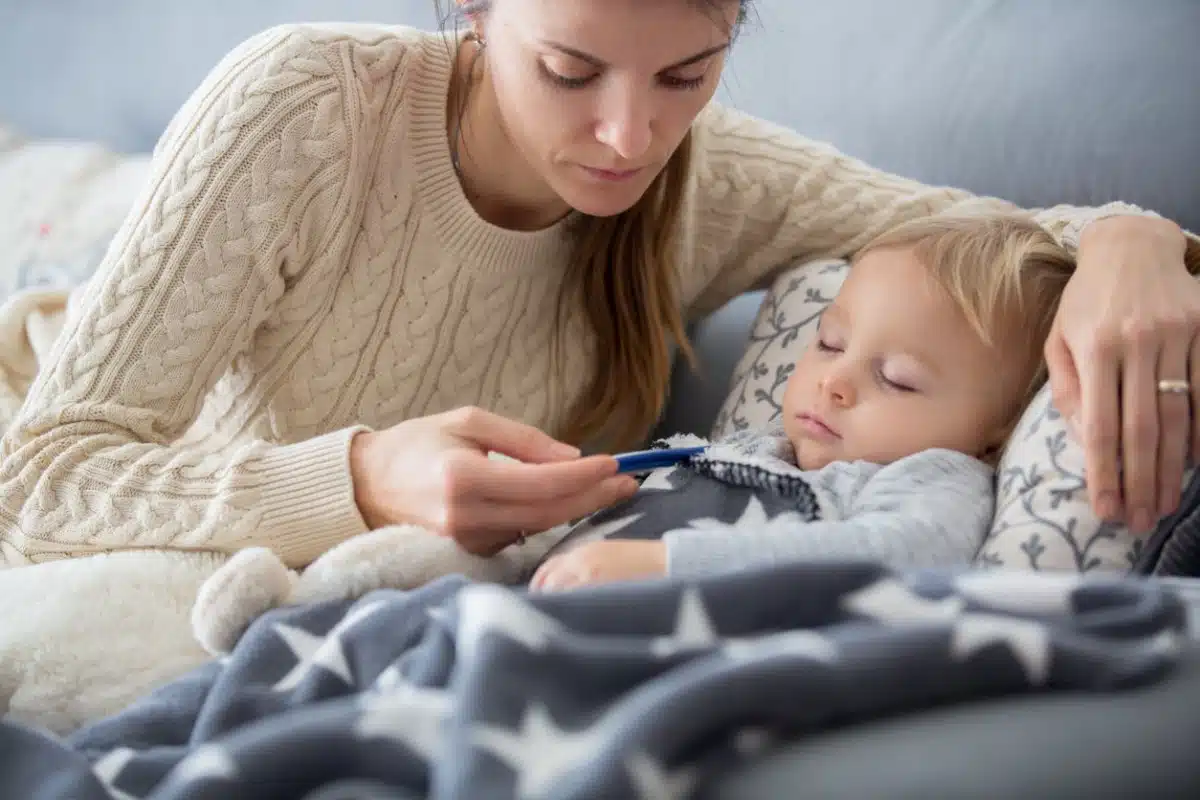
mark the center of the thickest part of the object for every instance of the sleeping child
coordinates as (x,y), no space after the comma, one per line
(893,420)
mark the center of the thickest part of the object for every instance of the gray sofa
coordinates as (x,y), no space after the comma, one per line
(1037,101)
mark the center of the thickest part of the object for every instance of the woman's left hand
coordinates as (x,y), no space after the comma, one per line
(1126,332)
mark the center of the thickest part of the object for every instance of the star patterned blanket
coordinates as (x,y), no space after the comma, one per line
(638,690)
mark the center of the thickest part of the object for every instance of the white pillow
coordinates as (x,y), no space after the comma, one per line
(1043,520)
(60,204)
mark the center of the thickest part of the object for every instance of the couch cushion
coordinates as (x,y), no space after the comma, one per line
(1137,743)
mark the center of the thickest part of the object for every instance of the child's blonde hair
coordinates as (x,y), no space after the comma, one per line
(1005,273)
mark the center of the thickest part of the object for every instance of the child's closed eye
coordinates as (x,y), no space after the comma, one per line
(827,347)
(895,382)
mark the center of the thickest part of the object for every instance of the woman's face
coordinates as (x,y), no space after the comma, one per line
(595,95)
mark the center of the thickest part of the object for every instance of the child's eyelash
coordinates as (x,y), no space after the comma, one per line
(899,387)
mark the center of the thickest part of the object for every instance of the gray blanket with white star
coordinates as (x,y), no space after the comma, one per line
(642,690)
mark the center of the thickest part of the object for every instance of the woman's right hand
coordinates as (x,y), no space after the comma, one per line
(434,472)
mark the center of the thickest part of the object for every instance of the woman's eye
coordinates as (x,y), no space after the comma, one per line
(580,81)
(677,82)
(566,81)
(827,347)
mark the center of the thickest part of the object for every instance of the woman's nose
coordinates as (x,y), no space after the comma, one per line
(625,124)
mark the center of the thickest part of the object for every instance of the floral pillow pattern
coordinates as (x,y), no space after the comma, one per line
(786,323)
(1043,521)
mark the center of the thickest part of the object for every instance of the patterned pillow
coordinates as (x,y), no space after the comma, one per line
(1043,520)
(60,204)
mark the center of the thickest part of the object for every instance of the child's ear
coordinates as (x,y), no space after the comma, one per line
(994,445)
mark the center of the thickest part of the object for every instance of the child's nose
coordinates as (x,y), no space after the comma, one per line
(839,387)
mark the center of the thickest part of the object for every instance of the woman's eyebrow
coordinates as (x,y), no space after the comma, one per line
(600,63)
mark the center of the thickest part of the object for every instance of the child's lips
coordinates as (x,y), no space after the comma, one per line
(817,427)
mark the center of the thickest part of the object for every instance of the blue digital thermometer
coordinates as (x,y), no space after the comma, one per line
(647,460)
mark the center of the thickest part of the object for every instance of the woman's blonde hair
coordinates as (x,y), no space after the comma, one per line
(1005,273)
(625,275)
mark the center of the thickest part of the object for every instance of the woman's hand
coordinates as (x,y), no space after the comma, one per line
(1129,319)
(435,472)
(602,562)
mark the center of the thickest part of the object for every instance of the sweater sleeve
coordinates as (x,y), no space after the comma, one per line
(767,198)
(244,191)
(928,510)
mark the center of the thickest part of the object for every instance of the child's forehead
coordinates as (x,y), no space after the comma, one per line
(894,279)
(900,304)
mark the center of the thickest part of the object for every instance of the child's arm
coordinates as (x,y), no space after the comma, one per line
(928,510)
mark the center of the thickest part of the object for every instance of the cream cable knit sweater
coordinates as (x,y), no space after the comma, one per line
(303,262)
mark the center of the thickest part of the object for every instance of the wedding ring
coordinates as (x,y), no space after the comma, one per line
(1174,387)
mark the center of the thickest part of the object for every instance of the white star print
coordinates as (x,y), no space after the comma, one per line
(1003,590)
(1028,641)
(311,651)
(485,608)
(320,651)
(693,628)
(411,715)
(659,480)
(388,680)
(754,516)
(653,782)
(206,763)
(806,644)
(541,753)
(110,766)
(889,600)
(1166,642)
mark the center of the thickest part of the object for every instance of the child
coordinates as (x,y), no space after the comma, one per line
(892,421)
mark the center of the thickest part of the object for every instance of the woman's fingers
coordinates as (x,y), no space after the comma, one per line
(472,479)
(1174,440)
(1140,424)
(1064,380)
(1099,378)
(494,432)
(487,520)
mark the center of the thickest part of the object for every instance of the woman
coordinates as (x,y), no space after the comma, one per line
(354,239)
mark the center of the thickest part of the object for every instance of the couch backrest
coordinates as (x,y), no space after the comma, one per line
(1039,101)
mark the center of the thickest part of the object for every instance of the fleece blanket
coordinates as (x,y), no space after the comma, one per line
(638,690)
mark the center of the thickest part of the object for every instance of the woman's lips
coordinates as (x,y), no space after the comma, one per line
(611,175)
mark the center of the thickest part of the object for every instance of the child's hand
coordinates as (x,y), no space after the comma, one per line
(602,562)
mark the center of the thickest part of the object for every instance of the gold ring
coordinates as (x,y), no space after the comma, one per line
(1174,387)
